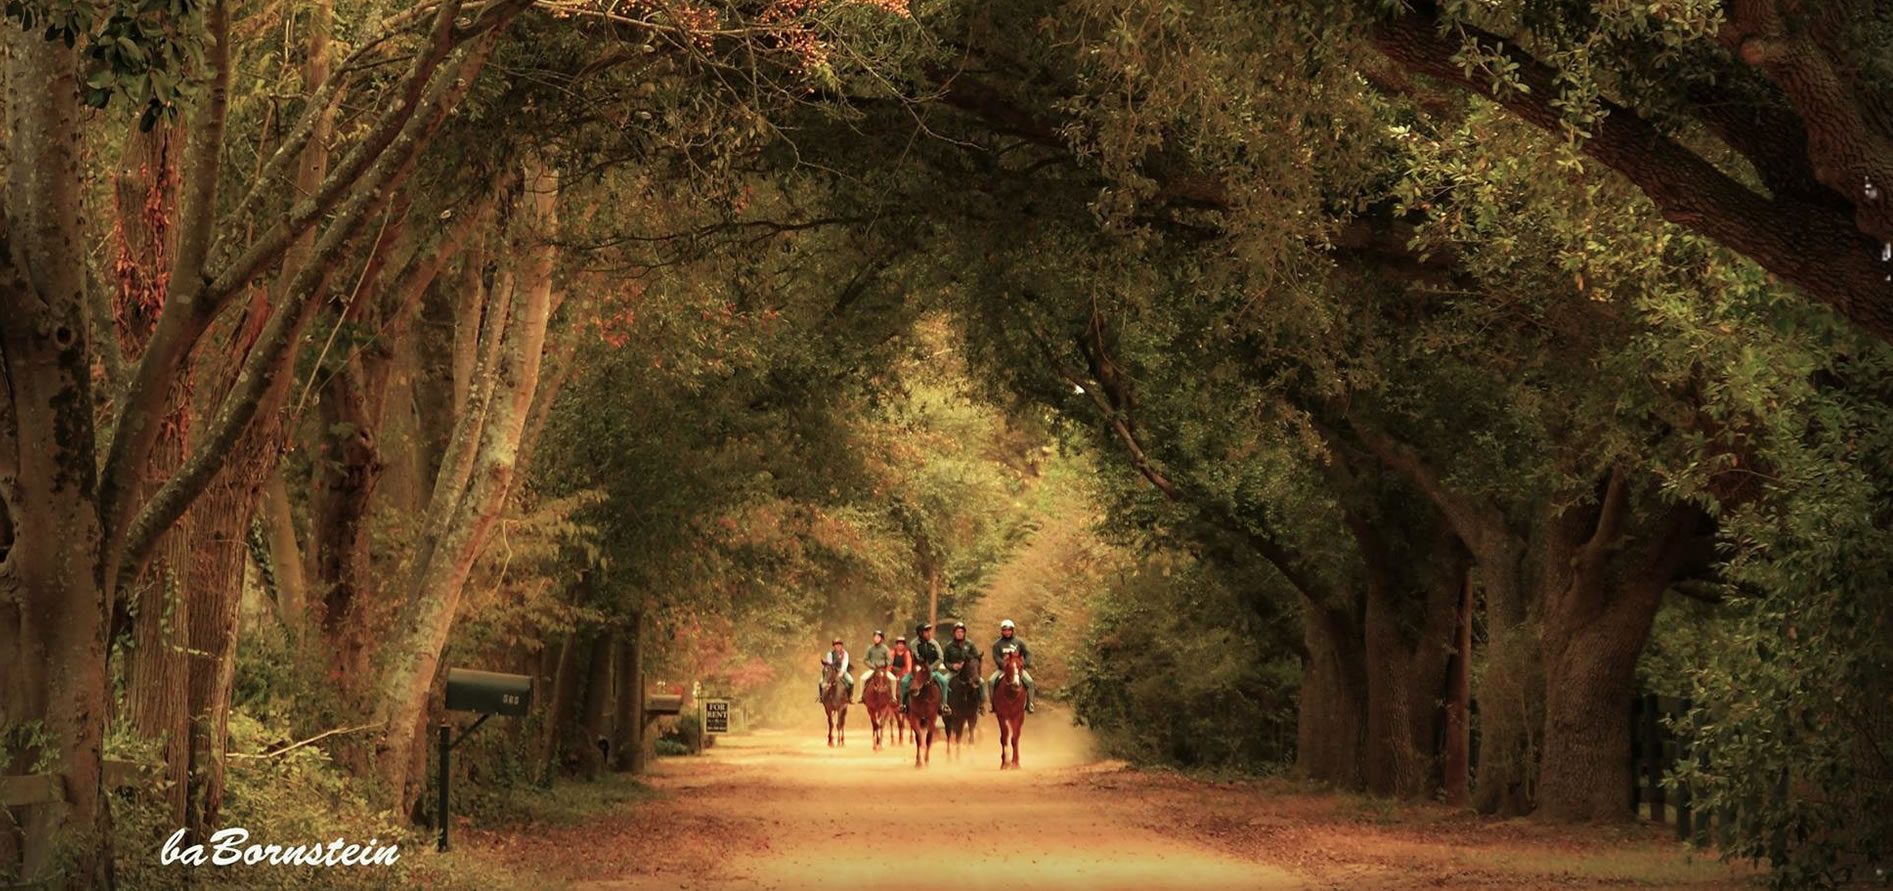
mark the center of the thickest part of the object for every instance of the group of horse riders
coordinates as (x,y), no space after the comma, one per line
(901,661)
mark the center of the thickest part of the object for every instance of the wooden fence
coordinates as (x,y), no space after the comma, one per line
(1654,751)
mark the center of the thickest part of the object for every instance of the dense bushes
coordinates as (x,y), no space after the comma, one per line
(300,797)
(1168,677)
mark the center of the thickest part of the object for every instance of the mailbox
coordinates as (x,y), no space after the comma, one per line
(488,692)
(663,704)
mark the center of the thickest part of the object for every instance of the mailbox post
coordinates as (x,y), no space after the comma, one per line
(487,692)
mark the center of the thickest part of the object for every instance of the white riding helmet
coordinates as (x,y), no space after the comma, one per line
(1006,624)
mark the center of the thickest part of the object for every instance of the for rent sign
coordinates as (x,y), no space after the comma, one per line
(716,716)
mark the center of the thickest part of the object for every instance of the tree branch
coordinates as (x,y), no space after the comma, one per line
(269,357)
(1807,245)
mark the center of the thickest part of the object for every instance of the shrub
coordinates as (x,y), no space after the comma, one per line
(1168,678)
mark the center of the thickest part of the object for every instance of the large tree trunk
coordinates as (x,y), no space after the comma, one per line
(1456,704)
(156,709)
(445,556)
(627,737)
(52,586)
(1590,675)
(1408,626)
(1331,722)
(285,554)
(559,697)
(1595,628)
(592,721)
(348,467)
(219,521)
(1511,711)
(1510,694)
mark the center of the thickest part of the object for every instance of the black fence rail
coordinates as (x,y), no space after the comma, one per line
(1655,750)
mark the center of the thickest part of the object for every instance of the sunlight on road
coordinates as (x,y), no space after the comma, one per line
(852,817)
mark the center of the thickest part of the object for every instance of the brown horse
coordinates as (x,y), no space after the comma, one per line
(923,707)
(877,694)
(963,696)
(1009,705)
(835,703)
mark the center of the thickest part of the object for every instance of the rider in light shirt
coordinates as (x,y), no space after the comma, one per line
(1008,642)
(838,657)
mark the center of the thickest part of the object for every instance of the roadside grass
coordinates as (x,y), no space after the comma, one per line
(481,857)
(1350,840)
(565,803)
(1640,864)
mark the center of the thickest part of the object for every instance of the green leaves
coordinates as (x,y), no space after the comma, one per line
(145,52)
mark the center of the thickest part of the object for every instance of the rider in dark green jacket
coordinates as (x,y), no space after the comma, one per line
(959,650)
(877,658)
(927,657)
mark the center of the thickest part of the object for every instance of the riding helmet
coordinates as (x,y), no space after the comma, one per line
(924,626)
(1006,624)
(837,640)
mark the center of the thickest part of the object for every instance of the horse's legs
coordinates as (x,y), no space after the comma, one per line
(1016,733)
(841,726)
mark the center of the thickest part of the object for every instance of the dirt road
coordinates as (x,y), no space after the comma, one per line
(780,810)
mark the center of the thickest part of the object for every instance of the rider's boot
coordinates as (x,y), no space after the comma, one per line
(1030,706)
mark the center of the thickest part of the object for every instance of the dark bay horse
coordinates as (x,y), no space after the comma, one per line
(923,708)
(963,696)
(883,705)
(835,703)
(1009,706)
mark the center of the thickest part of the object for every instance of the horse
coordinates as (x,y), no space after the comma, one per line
(1009,706)
(923,707)
(963,696)
(835,703)
(883,705)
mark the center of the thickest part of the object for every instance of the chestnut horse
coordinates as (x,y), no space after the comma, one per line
(963,696)
(883,706)
(835,702)
(1009,705)
(923,707)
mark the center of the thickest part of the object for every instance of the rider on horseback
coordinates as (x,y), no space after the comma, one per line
(838,657)
(1005,644)
(901,661)
(877,656)
(960,650)
(927,656)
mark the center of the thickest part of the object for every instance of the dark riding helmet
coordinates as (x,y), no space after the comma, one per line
(877,633)
(923,627)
